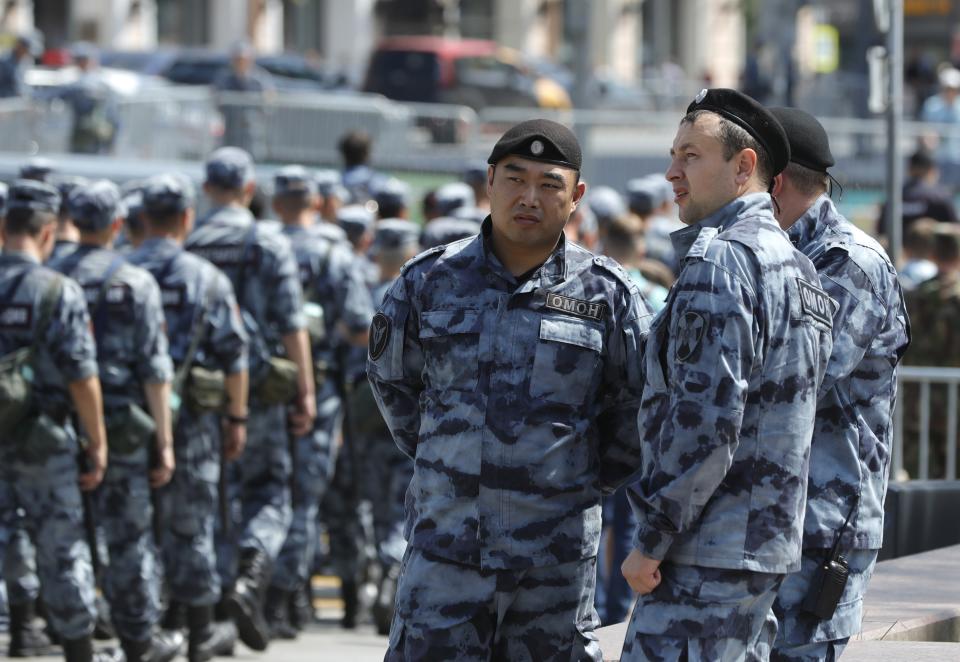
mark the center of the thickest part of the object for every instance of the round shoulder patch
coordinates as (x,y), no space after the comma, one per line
(379,335)
(690,329)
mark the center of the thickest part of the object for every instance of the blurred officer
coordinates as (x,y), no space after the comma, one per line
(393,198)
(357,222)
(475,176)
(387,468)
(452,196)
(46,315)
(208,346)
(136,372)
(261,266)
(338,310)
(96,118)
(446,230)
(332,194)
(134,226)
(508,366)
(15,63)
(68,236)
(852,437)
(243,116)
(733,364)
(38,169)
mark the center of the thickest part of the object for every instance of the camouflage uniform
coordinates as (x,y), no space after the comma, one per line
(850,453)
(329,276)
(733,364)
(45,485)
(271,300)
(131,351)
(190,499)
(465,361)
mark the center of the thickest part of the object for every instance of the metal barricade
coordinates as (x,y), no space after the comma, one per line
(924,378)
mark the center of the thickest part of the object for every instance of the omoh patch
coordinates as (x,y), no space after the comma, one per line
(379,335)
(690,330)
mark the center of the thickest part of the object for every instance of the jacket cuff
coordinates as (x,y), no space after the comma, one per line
(652,542)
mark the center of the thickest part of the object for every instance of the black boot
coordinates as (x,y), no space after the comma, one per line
(26,635)
(277,613)
(351,603)
(81,650)
(244,602)
(175,618)
(161,647)
(208,638)
(301,607)
(386,597)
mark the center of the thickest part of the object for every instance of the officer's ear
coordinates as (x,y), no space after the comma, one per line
(746,162)
(778,184)
(187,221)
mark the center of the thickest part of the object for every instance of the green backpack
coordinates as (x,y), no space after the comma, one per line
(16,368)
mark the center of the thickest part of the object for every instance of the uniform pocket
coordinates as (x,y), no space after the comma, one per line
(567,360)
(451,340)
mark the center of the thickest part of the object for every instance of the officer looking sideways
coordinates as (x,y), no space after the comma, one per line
(507,365)
(136,372)
(852,437)
(207,339)
(41,310)
(733,364)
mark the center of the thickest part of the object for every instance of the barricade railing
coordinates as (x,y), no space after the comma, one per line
(916,411)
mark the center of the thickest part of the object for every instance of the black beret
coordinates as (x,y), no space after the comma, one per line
(539,140)
(746,113)
(809,145)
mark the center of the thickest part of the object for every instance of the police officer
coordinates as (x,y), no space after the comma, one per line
(14,64)
(206,334)
(357,222)
(338,310)
(243,119)
(393,198)
(733,364)
(508,367)
(331,194)
(446,230)
(357,177)
(388,469)
(136,370)
(852,438)
(68,236)
(263,270)
(96,117)
(452,196)
(41,310)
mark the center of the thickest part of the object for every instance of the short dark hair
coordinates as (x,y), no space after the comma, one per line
(24,221)
(918,237)
(164,221)
(355,148)
(922,161)
(946,243)
(735,139)
(805,180)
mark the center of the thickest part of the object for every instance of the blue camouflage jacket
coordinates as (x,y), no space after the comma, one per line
(128,325)
(261,266)
(850,456)
(517,401)
(733,364)
(67,352)
(186,281)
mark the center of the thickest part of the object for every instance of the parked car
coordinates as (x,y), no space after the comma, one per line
(196,66)
(471,72)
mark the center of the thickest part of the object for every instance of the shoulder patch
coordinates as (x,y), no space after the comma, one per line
(379,335)
(690,330)
(615,269)
(815,302)
(436,250)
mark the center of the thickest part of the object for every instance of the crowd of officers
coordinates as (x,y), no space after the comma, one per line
(211,376)
(201,370)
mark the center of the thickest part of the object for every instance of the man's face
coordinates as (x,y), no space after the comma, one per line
(703,181)
(530,201)
(242,64)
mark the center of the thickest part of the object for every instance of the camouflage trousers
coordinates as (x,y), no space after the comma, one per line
(448,611)
(704,615)
(388,472)
(189,512)
(341,517)
(20,566)
(125,514)
(803,637)
(258,491)
(47,493)
(312,473)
